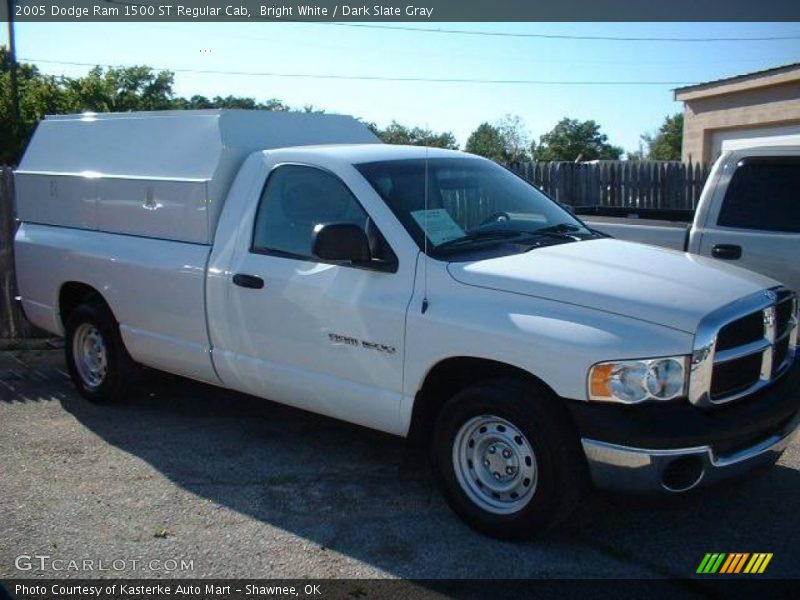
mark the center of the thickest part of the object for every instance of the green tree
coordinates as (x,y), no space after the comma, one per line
(517,145)
(487,141)
(236,102)
(120,90)
(573,140)
(396,133)
(196,102)
(635,155)
(666,143)
(38,95)
(104,90)
(506,141)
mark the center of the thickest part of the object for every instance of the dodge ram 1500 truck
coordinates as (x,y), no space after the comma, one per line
(421,292)
(748,212)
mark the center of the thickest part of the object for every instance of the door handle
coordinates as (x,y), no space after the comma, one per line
(248,281)
(726,251)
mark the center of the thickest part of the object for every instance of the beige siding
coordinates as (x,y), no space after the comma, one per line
(746,104)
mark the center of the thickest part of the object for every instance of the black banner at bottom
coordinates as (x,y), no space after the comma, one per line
(366,589)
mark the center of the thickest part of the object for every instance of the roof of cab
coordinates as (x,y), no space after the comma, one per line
(362,153)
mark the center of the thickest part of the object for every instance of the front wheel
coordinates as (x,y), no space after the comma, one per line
(97,361)
(509,458)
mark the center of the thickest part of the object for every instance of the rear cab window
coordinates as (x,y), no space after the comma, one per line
(763,194)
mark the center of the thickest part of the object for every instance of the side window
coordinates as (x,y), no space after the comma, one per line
(764,194)
(295,200)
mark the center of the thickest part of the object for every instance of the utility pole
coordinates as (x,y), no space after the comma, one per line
(12,50)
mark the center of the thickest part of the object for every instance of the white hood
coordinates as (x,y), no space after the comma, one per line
(643,282)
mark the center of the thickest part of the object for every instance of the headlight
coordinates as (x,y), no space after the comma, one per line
(632,381)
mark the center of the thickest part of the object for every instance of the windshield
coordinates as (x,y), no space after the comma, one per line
(471,203)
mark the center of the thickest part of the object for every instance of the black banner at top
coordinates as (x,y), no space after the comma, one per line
(434,11)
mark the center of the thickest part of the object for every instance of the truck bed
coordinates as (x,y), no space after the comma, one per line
(641,225)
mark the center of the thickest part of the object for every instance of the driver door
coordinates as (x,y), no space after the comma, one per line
(322,336)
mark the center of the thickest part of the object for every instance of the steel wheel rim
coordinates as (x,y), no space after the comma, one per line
(495,464)
(90,355)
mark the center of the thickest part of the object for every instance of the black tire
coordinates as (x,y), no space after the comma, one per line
(119,368)
(560,475)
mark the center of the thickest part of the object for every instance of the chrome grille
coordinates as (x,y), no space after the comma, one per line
(735,376)
(743,347)
(742,331)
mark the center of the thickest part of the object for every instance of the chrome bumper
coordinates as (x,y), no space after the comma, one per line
(677,470)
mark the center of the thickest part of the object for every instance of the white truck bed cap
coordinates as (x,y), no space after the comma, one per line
(157,174)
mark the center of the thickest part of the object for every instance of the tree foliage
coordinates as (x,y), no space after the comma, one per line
(574,140)
(516,140)
(396,133)
(506,141)
(666,143)
(100,90)
(486,141)
(38,95)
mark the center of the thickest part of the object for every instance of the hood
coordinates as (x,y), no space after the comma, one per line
(644,282)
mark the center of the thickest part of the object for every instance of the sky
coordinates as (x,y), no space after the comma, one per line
(624,112)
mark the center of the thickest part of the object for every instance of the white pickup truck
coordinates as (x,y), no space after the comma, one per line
(426,293)
(749,212)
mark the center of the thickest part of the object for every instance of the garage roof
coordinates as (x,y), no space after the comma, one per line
(775,76)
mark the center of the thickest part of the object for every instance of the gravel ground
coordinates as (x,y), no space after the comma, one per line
(243,487)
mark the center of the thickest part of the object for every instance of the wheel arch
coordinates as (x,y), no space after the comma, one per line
(74,293)
(445,379)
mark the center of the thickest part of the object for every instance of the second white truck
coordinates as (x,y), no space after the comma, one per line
(426,293)
(748,215)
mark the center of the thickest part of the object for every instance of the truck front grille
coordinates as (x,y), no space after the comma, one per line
(742,331)
(783,316)
(735,376)
(779,356)
(743,347)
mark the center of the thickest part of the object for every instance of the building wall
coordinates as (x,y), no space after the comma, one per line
(759,107)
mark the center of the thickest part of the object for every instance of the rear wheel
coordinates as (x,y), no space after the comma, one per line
(509,458)
(97,361)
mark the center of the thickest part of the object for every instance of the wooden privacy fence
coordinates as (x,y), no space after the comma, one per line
(640,184)
(13,324)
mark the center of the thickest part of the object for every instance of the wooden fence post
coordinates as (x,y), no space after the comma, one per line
(13,324)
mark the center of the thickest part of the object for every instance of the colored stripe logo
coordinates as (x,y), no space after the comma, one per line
(734,563)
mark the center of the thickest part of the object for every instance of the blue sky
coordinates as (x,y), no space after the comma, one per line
(625,112)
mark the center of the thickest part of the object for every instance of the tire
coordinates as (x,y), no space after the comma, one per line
(509,458)
(97,361)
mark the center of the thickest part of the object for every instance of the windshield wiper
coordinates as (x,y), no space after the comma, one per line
(484,235)
(558,228)
(513,235)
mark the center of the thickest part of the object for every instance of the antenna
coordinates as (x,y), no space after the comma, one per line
(425,243)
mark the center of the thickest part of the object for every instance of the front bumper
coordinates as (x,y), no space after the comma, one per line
(676,446)
(677,470)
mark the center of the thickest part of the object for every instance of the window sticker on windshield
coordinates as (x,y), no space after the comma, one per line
(438,225)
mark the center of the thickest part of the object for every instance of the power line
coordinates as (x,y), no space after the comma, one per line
(369,77)
(528,60)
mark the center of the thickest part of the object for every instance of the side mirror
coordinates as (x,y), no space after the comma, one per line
(341,242)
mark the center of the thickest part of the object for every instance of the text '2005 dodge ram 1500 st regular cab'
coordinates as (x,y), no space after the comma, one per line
(422,292)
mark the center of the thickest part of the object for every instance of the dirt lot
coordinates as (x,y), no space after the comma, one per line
(241,487)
